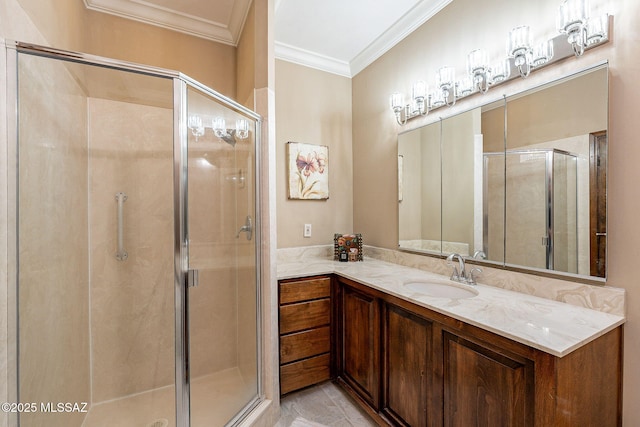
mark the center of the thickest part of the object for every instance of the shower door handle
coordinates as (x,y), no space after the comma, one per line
(121,253)
(193,278)
(247,227)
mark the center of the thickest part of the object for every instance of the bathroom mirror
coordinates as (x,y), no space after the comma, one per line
(520,182)
(419,189)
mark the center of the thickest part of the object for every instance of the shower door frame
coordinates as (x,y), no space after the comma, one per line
(181,83)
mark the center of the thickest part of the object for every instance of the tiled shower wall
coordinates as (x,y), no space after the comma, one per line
(132,301)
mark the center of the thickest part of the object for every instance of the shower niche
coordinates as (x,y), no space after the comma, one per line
(118,204)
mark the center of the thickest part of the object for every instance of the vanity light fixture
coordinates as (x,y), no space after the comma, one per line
(419,95)
(582,31)
(500,72)
(436,100)
(418,107)
(465,87)
(597,30)
(542,53)
(446,82)
(519,48)
(478,68)
(573,22)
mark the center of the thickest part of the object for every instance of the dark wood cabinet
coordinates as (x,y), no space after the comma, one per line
(359,344)
(410,366)
(407,367)
(305,332)
(485,387)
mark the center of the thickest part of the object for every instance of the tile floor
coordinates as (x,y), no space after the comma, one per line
(322,405)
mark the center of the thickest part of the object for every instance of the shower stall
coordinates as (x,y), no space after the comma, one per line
(538,193)
(134,285)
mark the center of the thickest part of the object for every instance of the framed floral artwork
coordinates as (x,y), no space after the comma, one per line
(308,171)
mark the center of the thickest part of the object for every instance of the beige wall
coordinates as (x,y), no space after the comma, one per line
(446,39)
(246,59)
(314,107)
(67,24)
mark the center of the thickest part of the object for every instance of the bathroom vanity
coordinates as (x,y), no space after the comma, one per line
(305,332)
(494,357)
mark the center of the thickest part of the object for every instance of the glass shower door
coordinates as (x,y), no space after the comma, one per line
(222,301)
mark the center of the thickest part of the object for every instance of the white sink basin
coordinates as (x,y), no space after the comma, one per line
(441,290)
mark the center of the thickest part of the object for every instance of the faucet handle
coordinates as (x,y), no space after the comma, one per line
(472,276)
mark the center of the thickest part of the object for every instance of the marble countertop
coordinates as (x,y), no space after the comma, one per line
(554,327)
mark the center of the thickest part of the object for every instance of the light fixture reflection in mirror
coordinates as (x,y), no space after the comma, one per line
(196,126)
(242,128)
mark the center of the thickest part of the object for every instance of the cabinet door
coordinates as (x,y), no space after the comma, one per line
(360,343)
(485,388)
(407,367)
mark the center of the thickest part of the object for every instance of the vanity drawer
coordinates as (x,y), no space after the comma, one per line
(304,315)
(304,344)
(294,376)
(303,290)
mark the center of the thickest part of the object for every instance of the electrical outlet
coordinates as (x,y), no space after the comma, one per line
(307,230)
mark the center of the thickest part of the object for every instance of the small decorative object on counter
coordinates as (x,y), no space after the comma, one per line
(347,245)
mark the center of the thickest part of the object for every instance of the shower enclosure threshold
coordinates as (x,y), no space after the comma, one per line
(212,400)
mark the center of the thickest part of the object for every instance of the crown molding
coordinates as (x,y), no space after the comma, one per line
(409,22)
(170,19)
(311,59)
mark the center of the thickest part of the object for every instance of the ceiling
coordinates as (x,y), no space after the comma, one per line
(338,36)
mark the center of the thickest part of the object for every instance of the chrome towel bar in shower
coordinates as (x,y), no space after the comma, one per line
(121,254)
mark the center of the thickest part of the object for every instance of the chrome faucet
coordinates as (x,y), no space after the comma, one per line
(472,278)
(479,255)
(459,273)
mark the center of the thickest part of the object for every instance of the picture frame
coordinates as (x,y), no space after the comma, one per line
(308,171)
(348,246)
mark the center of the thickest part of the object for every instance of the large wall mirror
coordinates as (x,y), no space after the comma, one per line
(520,182)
